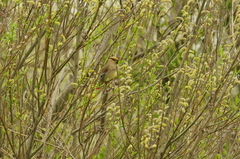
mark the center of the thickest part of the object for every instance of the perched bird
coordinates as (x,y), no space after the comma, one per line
(109,71)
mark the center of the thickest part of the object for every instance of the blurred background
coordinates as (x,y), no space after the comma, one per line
(176,94)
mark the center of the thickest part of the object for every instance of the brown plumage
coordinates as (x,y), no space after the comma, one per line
(109,71)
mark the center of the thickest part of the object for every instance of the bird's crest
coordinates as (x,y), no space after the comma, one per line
(114,58)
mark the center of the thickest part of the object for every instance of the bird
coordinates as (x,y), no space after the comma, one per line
(109,71)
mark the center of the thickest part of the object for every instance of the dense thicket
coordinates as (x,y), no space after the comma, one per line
(176,94)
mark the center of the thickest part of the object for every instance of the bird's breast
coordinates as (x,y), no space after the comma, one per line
(110,75)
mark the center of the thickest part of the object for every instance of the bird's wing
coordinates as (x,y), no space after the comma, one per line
(105,68)
(102,76)
(103,72)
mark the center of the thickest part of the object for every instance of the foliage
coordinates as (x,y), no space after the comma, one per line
(176,94)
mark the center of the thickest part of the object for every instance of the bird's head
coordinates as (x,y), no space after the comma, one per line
(115,59)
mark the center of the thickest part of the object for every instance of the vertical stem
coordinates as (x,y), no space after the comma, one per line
(103,109)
